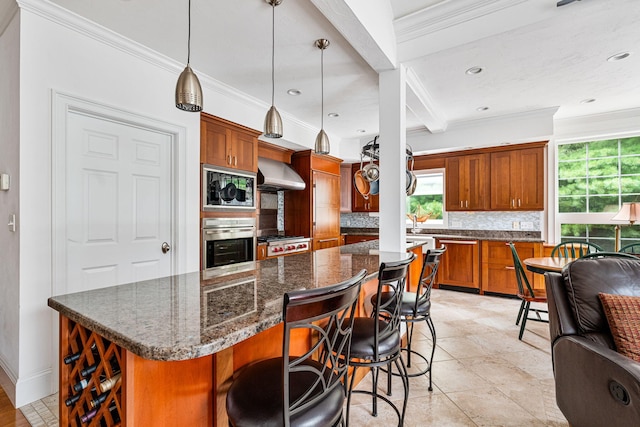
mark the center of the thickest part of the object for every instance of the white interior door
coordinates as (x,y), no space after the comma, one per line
(118,202)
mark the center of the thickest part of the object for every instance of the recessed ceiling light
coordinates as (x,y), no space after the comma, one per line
(588,101)
(618,56)
(482,108)
(333,115)
(474,70)
(361,131)
(294,92)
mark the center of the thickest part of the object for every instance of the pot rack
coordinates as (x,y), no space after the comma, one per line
(372,150)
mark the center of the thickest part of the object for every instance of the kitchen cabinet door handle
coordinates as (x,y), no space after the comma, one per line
(518,202)
(327,240)
(460,242)
(235,160)
(461,204)
(229,159)
(508,267)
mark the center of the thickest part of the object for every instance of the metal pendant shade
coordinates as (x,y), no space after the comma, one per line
(322,145)
(273,121)
(188,89)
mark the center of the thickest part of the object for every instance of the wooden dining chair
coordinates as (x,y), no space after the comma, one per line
(574,249)
(527,295)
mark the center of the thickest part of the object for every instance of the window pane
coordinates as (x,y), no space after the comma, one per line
(572,204)
(604,185)
(602,235)
(573,230)
(572,151)
(630,146)
(573,187)
(603,204)
(630,185)
(603,148)
(427,200)
(630,165)
(572,169)
(603,167)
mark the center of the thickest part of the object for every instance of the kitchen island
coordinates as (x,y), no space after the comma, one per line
(175,342)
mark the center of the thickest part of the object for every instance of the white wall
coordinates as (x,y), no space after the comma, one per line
(65,54)
(9,163)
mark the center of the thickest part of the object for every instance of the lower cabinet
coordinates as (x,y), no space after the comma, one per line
(498,274)
(324,243)
(460,264)
(358,238)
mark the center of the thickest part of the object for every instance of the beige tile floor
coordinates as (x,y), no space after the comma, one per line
(482,374)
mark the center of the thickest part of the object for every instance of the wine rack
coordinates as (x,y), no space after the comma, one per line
(91,378)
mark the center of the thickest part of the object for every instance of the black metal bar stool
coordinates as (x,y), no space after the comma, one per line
(376,340)
(416,307)
(301,390)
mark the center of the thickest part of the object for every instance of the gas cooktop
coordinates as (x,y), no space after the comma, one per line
(277,237)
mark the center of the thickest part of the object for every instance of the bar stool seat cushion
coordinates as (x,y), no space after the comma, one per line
(362,339)
(408,303)
(256,397)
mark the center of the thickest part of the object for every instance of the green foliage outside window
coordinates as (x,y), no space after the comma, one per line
(597,177)
(428,197)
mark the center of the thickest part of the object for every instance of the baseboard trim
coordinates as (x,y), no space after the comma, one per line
(33,388)
(8,381)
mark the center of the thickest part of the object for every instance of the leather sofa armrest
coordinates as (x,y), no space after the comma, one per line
(561,319)
(585,372)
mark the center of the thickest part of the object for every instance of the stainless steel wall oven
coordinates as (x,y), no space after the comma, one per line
(228,244)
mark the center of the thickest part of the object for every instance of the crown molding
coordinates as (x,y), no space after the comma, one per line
(447,14)
(620,123)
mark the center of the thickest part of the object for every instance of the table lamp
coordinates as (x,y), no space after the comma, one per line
(628,212)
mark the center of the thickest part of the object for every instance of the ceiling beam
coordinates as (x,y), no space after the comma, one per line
(420,102)
(368,27)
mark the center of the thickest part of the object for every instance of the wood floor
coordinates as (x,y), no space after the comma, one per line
(10,416)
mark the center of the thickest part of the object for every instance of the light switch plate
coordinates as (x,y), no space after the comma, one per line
(4,181)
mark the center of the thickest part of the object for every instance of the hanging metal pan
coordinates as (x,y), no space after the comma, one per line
(361,184)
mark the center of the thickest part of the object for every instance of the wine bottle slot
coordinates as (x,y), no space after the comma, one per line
(81,385)
(85,418)
(88,370)
(95,403)
(72,400)
(108,384)
(72,358)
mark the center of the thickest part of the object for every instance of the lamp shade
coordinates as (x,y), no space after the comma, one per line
(273,123)
(628,212)
(322,143)
(188,91)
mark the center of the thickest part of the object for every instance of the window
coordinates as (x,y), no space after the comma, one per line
(594,179)
(426,203)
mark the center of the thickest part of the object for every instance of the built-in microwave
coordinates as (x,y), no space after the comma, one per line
(227,189)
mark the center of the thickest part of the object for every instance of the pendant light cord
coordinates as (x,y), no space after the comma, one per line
(273,49)
(322,88)
(189,37)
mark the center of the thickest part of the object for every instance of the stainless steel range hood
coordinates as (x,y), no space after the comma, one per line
(274,175)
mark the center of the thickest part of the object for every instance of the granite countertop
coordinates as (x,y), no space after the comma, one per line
(188,315)
(493,235)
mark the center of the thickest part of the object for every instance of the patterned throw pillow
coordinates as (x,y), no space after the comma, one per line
(623,316)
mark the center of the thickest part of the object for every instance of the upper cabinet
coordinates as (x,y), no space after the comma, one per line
(517,179)
(467,182)
(226,144)
(495,179)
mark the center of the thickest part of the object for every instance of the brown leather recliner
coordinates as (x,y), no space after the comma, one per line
(595,385)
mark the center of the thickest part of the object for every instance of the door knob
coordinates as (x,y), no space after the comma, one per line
(165,247)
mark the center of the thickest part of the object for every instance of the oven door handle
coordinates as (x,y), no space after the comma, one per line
(235,230)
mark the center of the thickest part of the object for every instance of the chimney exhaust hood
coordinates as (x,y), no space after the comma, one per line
(274,175)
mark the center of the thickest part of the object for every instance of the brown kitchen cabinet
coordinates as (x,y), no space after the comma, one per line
(358,202)
(460,264)
(358,238)
(226,144)
(315,211)
(517,179)
(467,182)
(498,274)
(261,252)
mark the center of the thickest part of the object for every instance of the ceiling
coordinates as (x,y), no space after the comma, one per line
(533,54)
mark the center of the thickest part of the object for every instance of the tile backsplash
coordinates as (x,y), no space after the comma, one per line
(520,220)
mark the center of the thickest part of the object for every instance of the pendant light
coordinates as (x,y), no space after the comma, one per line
(272,121)
(188,89)
(322,140)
